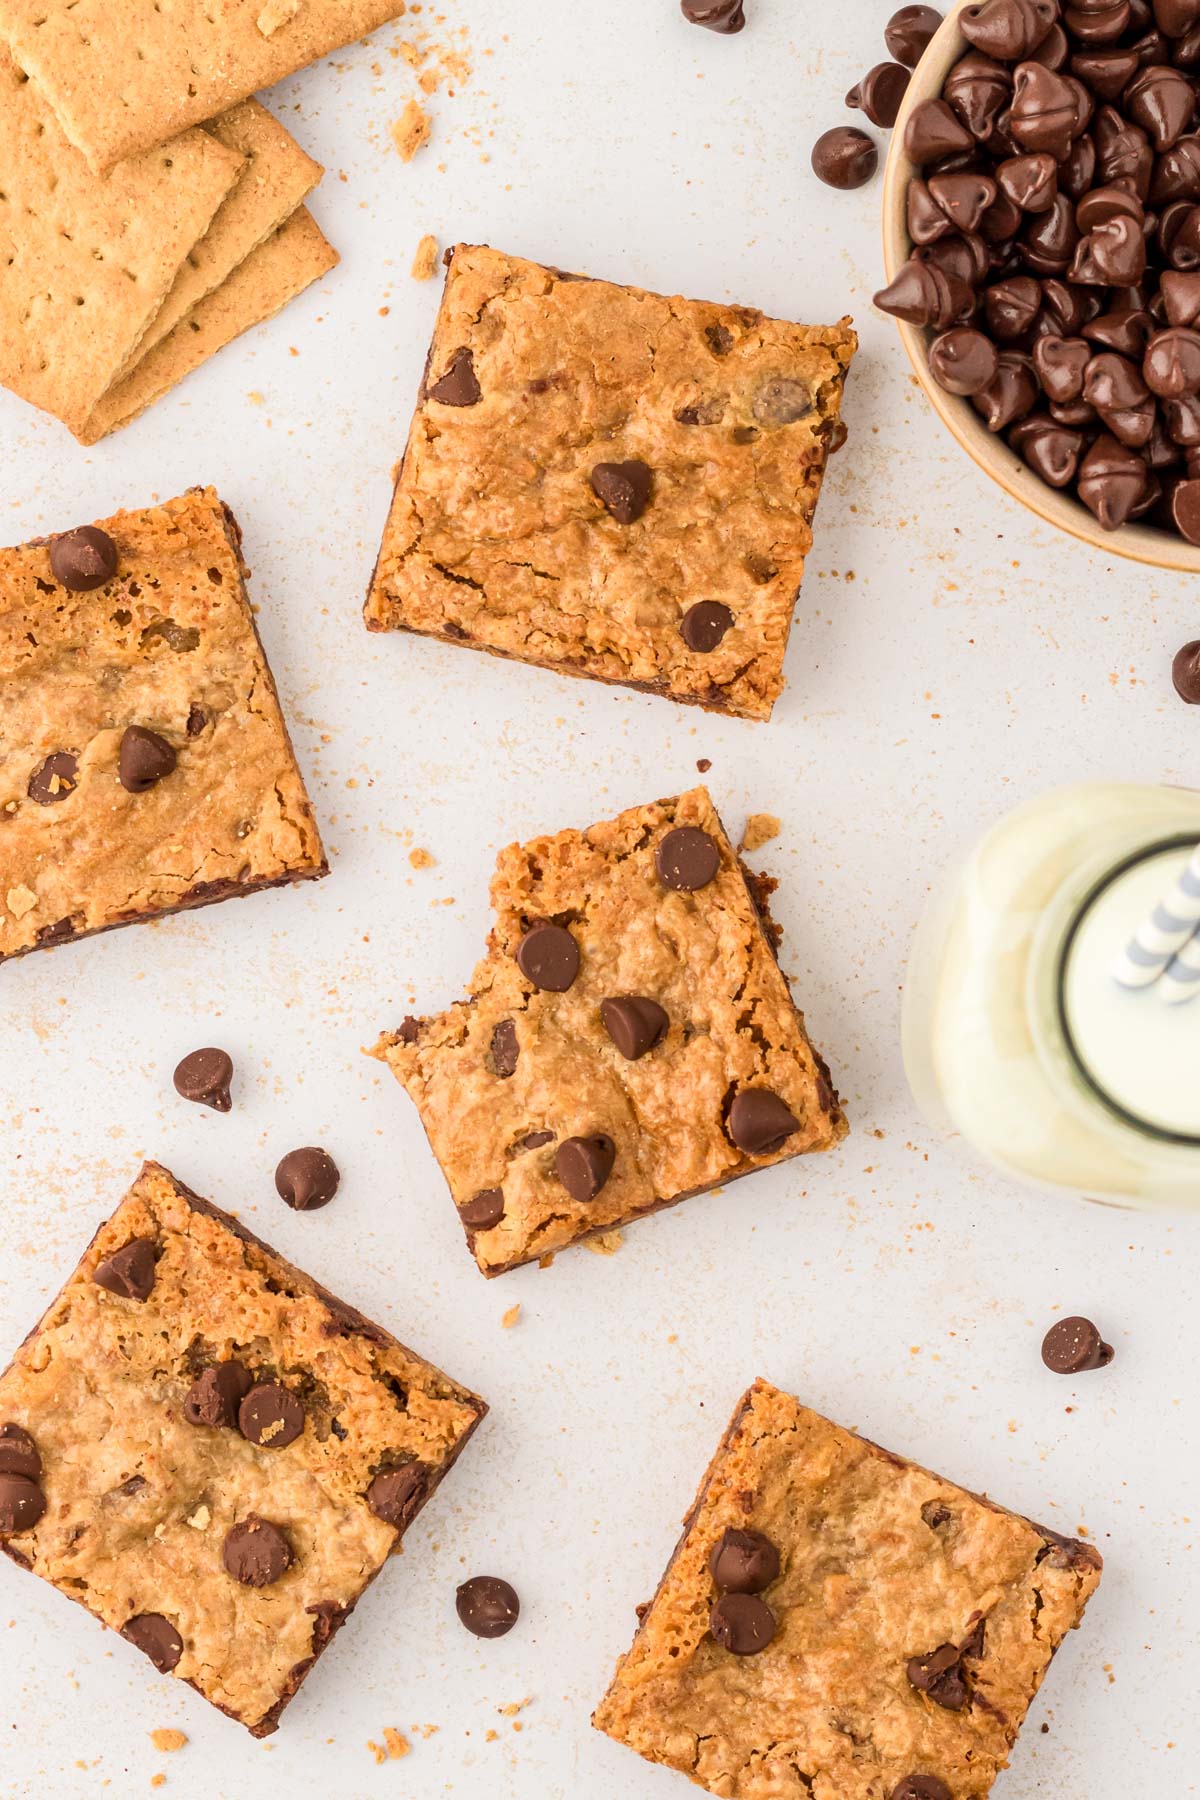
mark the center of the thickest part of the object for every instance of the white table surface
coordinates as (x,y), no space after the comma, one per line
(950,656)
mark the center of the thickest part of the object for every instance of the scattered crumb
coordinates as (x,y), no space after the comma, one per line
(545,1262)
(605,1243)
(394,1745)
(511,1316)
(426,1731)
(426,260)
(158,1780)
(255,398)
(490,1736)
(704,764)
(410,132)
(760,829)
(514,1707)
(422,859)
(166,1738)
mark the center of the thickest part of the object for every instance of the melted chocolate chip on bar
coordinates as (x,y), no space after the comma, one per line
(214,1397)
(145,759)
(505,1049)
(743,1562)
(921,1787)
(271,1416)
(487,1606)
(634,1023)
(703,625)
(307,1179)
(395,1494)
(1074,1345)
(760,1122)
(484,1210)
(459,386)
(19,1454)
(687,859)
(742,1624)
(583,1165)
(129,1272)
(156,1638)
(54,779)
(256,1552)
(22,1504)
(204,1076)
(624,488)
(83,559)
(940,1675)
(548,956)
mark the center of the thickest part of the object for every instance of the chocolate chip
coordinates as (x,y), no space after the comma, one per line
(725,16)
(22,1504)
(214,1397)
(687,859)
(1162,102)
(935,1514)
(908,32)
(963,360)
(19,1454)
(271,1416)
(880,92)
(921,1787)
(505,1049)
(1008,29)
(634,1024)
(978,90)
(549,957)
(1045,110)
(256,1552)
(1074,1345)
(624,488)
(204,1076)
(395,1494)
(156,1638)
(1171,365)
(759,1121)
(197,719)
(743,1562)
(459,386)
(844,157)
(1184,505)
(923,293)
(54,779)
(83,559)
(144,759)
(704,625)
(940,1676)
(584,1164)
(719,339)
(1112,481)
(1185,672)
(1051,450)
(933,131)
(781,401)
(1011,396)
(307,1179)
(742,1624)
(487,1606)
(484,1210)
(534,1140)
(129,1272)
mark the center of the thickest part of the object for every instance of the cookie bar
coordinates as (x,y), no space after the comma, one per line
(611,483)
(144,762)
(211,1453)
(629,1040)
(836,1621)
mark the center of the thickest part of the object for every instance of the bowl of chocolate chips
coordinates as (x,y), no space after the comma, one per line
(1042,249)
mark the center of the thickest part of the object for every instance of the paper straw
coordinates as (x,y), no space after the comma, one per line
(1181,977)
(1164,933)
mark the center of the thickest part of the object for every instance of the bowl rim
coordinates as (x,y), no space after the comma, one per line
(1138,543)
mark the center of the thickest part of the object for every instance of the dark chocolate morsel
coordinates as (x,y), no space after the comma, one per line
(634,1023)
(307,1179)
(963,360)
(880,92)
(395,1494)
(1185,672)
(505,1049)
(459,386)
(22,1504)
(940,1675)
(1112,481)
(214,1397)
(922,293)
(271,1416)
(584,1164)
(54,779)
(548,956)
(1180,293)
(1011,396)
(1010,306)
(921,1787)
(1009,30)
(1061,365)
(487,1606)
(204,1077)
(256,1553)
(19,1454)
(156,1638)
(704,625)
(1051,450)
(760,1122)
(1030,181)
(624,488)
(977,89)
(844,157)
(1162,101)
(1045,110)
(143,759)
(483,1210)
(1074,1345)
(687,859)
(83,559)
(743,1562)
(129,1272)
(742,1624)
(908,32)
(932,131)
(1185,513)
(1171,364)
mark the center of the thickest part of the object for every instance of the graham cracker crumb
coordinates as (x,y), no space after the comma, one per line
(760,829)
(514,1707)
(511,1316)
(166,1738)
(605,1243)
(422,859)
(426,260)
(397,1744)
(410,132)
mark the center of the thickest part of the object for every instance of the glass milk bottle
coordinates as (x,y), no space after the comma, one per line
(1020,1034)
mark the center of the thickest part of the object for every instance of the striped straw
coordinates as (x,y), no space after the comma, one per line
(1181,977)
(1164,933)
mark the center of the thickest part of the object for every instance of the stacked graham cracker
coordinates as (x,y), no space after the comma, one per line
(150,208)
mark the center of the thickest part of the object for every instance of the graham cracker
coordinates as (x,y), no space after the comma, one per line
(122,78)
(87,260)
(291,259)
(276,177)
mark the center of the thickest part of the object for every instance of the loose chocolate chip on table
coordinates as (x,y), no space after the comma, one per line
(742,1624)
(921,1787)
(907,33)
(54,779)
(156,1638)
(214,1397)
(83,559)
(634,1023)
(743,1562)
(687,859)
(204,1076)
(940,1676)
(880,92)
(760,1122)
(271,1416)
(624,488)
(584,1164)
(459,386)
(395,1494)
(256,1552)
(725,16)
(963,360)
(844,157)
(307,1178)
(129,1271)
(18,1453)
(704,625)
(505,1049)
(144,759)
(22,1504)
(549,957)
(484,1210)
(487,1606)
(1185,672)
(1074,1345)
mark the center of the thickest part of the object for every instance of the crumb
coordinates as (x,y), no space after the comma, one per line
(514,1707)
(426,260)
(158,1780)
(255,398)
(760,829)
(605,1243)
(421,859)
(167,1738)
(410,132)
(490,1736)
(379,1751)
(511,1316)
(704,764)
(544,1262)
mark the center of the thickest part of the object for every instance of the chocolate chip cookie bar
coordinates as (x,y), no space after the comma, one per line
(837,1621)
(629,1040)
(145,765)
(211,1453)
(612,483)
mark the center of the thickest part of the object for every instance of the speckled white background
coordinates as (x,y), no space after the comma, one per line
(949,657)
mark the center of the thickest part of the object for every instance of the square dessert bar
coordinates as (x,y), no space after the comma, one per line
(612,483)
(629,1040)
(211,1453)
(837,1623)
(144,763)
